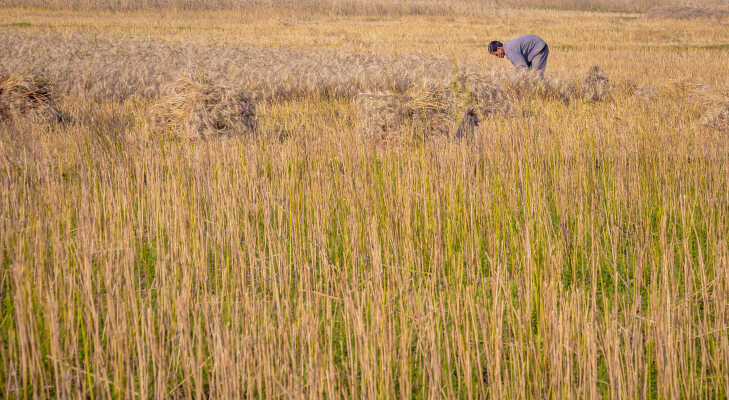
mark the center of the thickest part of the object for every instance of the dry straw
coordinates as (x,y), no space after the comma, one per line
(381,113)
(430,109)
(144,69)
(717,116)
(25,96)
(426,110)
(595,85)
(193,107)
(101,69)
(715,103)
(486,92)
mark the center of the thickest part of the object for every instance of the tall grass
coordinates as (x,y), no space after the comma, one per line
(575,250)
(523,263)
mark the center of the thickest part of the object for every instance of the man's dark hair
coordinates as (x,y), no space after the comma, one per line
(493,46)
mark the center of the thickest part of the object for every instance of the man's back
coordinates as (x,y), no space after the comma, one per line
(522,50)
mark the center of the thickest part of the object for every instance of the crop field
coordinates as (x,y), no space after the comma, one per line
(353,199)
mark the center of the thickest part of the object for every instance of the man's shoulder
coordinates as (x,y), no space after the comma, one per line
(513,42)
(526,38)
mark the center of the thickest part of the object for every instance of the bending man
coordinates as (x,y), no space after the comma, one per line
(528,51)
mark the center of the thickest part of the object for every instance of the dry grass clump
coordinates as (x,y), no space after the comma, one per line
(498,91)
(431,109)
(717,115)
(381,112)
(685,12)
(595,86)
(26,96)
(193,107)
(486,93)
(427,110)
(643,91)
(521,84)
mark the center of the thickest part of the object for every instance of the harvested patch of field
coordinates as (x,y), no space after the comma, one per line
(105,69)
(686,12)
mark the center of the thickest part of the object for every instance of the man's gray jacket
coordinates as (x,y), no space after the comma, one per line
(523,49)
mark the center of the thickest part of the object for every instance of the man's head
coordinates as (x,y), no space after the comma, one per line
(496,48)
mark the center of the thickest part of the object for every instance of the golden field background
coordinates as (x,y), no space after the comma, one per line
(576,245)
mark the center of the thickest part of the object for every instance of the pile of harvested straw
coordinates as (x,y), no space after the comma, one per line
(717,116)
(427,110)
(485,93)
(195,108)
(430,109)
(381,113)
(26,96)
(595,85)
